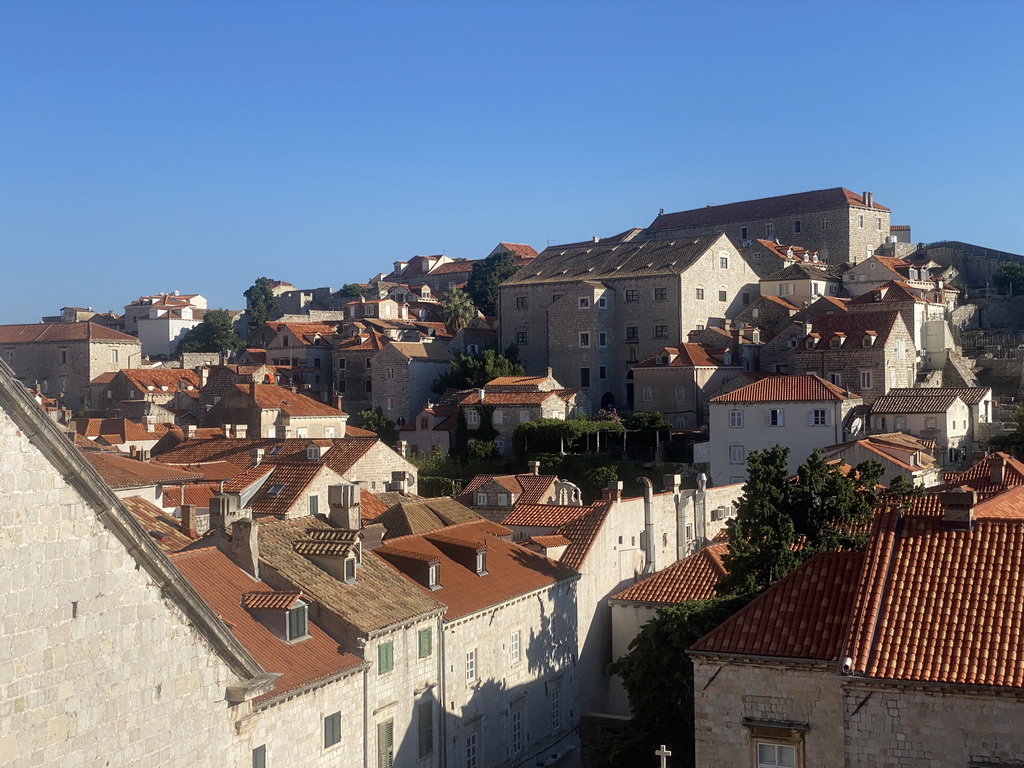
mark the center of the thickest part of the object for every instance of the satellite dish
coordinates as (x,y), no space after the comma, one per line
(855,425)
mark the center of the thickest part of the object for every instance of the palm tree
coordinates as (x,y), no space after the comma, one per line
(457,309)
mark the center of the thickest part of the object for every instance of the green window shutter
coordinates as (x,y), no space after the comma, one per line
(385,658)
(332,729)
(425,727)
(314,504)
(386,744)
(259,757)
(426,642)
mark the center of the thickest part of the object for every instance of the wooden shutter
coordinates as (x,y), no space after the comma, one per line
(386,744)
(425,727)
(259,757)
(332,729)
(426,642)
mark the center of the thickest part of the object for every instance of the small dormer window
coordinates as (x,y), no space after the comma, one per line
(434,576)
(274,490)
(502,499)
(298,622)
(836,342)
(481,499)
(481,562)
(869,341)
(350,569)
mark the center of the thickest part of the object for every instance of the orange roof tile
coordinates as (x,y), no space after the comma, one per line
(196,494)
(120,472)
(165,529)
(162,379)
(343,453)
(531,488)
(222,585)
(548,542)
(544,515)
(270,601)
(582,532)
(41,332)
(804,616)
(786,388)
(692,578)
(273,397)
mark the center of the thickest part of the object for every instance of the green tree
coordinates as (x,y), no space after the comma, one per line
(1013,442)
(1009,277)
(762,534)
(352,289)
(377,421)
(648,420)
(260,302)
(473,371)
(903,491)
(487,275)
(457,309)
(215,334)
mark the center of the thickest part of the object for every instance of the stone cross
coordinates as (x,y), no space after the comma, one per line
(663,753)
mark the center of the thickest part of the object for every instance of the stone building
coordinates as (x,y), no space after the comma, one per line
(838,224)
(402,375)
(899,454)
(267,410)
(591,311)
(678,380)
(162,320)
(306,348)
(906,654)
(351,361)
(154,385)
(802,283)
(63,358)
(939,415)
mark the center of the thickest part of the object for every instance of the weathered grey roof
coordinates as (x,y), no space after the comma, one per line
(970,395)
(603,260)
(803,271)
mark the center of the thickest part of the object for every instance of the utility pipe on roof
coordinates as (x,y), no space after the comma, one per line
(648,525)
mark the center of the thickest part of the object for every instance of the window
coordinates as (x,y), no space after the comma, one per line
(113,355)
(314,504)
(481,562)
(584,339)
(632,333)
(602,372)
(297,622)
(63,357)
(646,394)
(259,756)
(521,302)
(737,454)
(901,349)
(736,419)
(556,705)
(524,417)
(386,744)
(522,337)
(680,393)
(332,730)
(368,361)
(602,339)
(661,331)
(775,755)
(368,385)
(930,423)
(743,233)
(865,379)
(824,223)
(498,417)
(796,226)
(425,728)
(480,499)
(471,665)
(602,303)
(722,296)
(473,417)
(632,295)
(878,224)
(556,296)
(769,231)
(819,417)
(723,260)
(835,378)
(584,302)
(514,647)
(426,636)
(471,752)
(584,377)
(385,657)
(745,298)
(860,222)
(660,294)
(517,731)
(700,294)
(502,499)
(775,417)
(350,570)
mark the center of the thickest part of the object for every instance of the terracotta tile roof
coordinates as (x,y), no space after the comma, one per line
(854,325)
(247,477)
(415,517)
(379,597)
(516,398)
(781,302)
(551,541)
(544,515)
(114,431)
(521,250)
(786,388)
(582,532)
(283,489)
(768,207)
(970,395)
(370,507)
(41,332)
(432,351)
(213,471)
(120,472)
(692,578)
(273,397)
(687,355)
(222,585)
(370,341)
(341,456)
(783,251)
(196,494)
(532,489)
(893,292)
(803,616)
(162,379)
(165,529)
(913,403)
(453,267)
(307,332)
(334,544)
(979,476)
(512,570)
(270,601)
(359,432)
(516,383)
(943,605)
(804,270)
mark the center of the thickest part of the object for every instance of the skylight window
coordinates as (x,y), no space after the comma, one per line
(275,489)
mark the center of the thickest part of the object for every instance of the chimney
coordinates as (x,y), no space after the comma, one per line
(188,520)
(189,431)
(402,446)
(244,548)
(672,483)
(997,468)
(549,372)
(373,536)
(868,201)
(336,402)
(252,388)
(958,508)
(228,430)
(255,456)
(726,324)
(241,431)
(613,492)
(343,500)
(480,395)
(597,239)
(534,467)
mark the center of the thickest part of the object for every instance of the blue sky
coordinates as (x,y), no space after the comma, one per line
(195,146)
